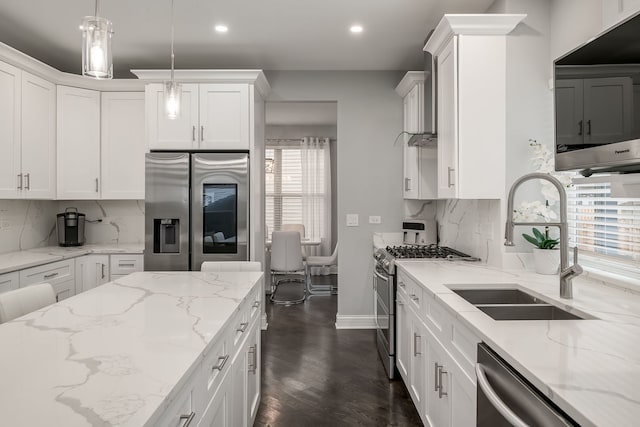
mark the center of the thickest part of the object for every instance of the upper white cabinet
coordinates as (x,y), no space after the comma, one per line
(78,143)
(122,145)
(419,163)
(469,53)
(595,110)
(27,132)
(212,116)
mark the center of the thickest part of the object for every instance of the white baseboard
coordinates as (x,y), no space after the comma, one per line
(356,322)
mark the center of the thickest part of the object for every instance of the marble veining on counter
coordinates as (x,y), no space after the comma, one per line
(113,355)
(19,260)
(589,368)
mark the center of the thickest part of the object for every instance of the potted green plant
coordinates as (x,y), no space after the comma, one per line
(546,256)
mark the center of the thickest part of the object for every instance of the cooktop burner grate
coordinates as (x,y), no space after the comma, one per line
(424,251)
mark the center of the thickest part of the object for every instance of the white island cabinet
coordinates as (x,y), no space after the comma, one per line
(152,349)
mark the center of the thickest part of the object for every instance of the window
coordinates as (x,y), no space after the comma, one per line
(603,225)
(295,190)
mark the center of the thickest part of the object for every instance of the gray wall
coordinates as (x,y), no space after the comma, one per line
(369,171)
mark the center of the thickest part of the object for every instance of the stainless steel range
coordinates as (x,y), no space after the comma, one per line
(384,287)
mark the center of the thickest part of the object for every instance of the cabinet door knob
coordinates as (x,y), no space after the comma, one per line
(19,181)
(28,179)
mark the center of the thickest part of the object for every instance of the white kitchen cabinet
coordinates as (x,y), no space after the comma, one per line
(441,357)
(10,100)
(123,145)
(469,52)
(60,274)
(183,409)
(28,158)
(594,111)
(91,271)
(181,133)
(403,330)
(224,116)
(9,281)
(38,137)
(123,264)
(78,143)
(217,414)
(253,371)
(419,163)
(213,116)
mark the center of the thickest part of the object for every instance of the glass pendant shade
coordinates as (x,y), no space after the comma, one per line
(96,47)
(172,95)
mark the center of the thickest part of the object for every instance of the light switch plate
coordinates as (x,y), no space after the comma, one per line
(375,219)
(352,220)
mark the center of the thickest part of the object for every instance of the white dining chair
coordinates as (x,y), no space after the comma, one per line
(21,301)
(321,261)
(231,266)
(300,229)
(286,259)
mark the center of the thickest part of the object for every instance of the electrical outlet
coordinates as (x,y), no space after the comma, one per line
(352,220)
(375,219)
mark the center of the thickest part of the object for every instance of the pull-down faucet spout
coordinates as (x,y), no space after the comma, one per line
(566,273)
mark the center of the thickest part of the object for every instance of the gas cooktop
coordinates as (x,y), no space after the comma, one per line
(424,251)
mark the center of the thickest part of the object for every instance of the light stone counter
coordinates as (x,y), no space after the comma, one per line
(589,368)
(14,261)
(116,354)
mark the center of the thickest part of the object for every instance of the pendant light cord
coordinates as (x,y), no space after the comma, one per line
(172,55)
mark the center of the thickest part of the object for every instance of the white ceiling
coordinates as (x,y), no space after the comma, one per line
(264,34)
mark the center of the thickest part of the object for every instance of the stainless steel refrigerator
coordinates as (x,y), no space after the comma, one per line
(196,209)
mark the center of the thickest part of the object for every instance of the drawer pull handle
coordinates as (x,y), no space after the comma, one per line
(126,265)
(243,327)
(435,376)
(187,419)
(28,179)
(253,350)
(49,276)
(19,181)
(402,285)
(222,360)
(97,185)
(102,268)
(256,304)
(441,371)
(193,133)
(415,345)
(400,302)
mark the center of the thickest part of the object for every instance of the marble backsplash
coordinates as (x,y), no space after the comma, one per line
(28,224)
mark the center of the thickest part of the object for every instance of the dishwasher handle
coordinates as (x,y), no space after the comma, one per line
(495,400)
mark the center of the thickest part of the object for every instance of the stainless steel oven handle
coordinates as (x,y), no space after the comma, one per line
(495,400)
(380,276)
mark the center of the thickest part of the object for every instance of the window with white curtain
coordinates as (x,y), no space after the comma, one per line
(291,198)
(604,226)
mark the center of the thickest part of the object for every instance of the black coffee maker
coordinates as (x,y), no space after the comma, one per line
(70,226)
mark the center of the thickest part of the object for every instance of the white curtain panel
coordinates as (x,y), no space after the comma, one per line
(316,196)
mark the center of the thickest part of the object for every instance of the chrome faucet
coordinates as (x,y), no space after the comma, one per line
(566,273)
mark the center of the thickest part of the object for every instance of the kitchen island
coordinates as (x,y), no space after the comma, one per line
(147,349)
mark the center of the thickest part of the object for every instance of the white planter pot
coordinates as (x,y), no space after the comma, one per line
(546,261)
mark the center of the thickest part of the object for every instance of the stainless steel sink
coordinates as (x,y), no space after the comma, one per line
(527,312)
(497,296)
(514,304)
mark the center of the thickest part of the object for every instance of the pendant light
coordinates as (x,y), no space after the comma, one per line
(172,89)
(96,46)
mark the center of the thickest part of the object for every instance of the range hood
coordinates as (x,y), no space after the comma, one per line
(429,137)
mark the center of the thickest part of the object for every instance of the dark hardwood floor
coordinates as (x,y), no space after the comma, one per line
(315,375)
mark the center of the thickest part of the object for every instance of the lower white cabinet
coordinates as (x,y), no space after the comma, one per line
(60,274)
(428,337)
(225,389)
(121,265)
(9,281)
(91,271)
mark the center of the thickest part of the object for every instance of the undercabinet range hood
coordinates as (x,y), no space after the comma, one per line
(429,137)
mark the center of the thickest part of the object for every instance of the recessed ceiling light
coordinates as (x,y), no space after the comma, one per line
(221,28)
(356,28)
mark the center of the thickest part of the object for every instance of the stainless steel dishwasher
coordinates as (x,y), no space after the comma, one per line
(505,399)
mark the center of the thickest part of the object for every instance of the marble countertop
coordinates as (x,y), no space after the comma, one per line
(589,368)
(113,355)
(14,261)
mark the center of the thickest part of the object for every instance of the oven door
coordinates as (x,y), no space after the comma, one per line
(384,308)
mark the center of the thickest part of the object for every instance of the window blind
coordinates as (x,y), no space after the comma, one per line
(284,190)
(603,225)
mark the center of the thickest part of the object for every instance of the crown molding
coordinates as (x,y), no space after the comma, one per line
(255,77)
(409,80)
(489,24)
(31,65)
